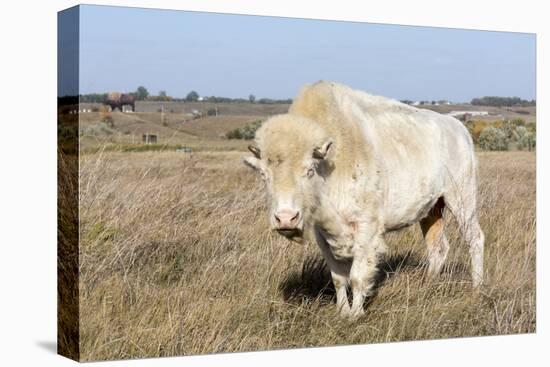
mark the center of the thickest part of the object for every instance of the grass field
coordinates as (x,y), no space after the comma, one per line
(176,258)
(207,133)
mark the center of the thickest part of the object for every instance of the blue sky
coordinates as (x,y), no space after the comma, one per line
(237,55)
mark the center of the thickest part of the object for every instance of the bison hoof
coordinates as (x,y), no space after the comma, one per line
(355,314)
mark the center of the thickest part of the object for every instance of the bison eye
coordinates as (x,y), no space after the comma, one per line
(310,171)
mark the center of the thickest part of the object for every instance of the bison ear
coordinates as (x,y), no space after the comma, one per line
(255,150)
(252,162)
(323,151)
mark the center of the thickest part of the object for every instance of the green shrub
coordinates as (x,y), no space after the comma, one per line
(246,133)
(532,139)
(475,127)
(234,134)
(516,133)
(509,130)
(492,138)
(98,129)
(524,138)
(518,122)
(67,131)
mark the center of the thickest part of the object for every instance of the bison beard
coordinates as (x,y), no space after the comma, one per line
(290,233)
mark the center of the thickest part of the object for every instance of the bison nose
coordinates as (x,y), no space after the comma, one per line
(287,219)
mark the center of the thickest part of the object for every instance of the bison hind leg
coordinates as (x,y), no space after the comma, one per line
(433,229)
(464,210)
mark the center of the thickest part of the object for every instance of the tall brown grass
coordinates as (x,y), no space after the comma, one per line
(68,320)
(176,258)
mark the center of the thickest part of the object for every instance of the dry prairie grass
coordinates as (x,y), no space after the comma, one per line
(176,258)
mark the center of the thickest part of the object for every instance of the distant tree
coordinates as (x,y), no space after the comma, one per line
(406,101)
(93,98)
(252,98)
(141,93)
(274,101)
(502,101)
(192,96)
(219,99)
(163,96)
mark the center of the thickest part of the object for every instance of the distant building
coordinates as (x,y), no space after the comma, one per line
(470,113)
(88,107)
(149,138)
(160,106)
(127,108)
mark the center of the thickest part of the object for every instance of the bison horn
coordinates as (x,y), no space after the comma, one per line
(322,151)
(255,150)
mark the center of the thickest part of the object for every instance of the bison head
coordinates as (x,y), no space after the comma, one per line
(292,154)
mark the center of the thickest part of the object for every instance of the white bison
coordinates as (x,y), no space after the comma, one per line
(344,167)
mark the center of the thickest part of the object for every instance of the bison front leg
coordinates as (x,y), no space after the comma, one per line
(339,270)
(341,286)
(363,272)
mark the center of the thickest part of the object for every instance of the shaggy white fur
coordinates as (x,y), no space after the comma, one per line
(353,166)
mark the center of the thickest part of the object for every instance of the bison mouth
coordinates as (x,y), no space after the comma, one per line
(289,232)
